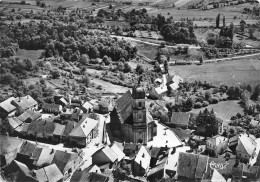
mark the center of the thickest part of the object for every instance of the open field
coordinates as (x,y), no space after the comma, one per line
(229,11)
(230,72)
(224,110)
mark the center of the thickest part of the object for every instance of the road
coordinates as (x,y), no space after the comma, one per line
(151,43)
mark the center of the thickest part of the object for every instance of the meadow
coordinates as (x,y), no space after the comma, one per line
(229,72)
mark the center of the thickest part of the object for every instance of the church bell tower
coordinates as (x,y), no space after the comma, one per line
(139,115)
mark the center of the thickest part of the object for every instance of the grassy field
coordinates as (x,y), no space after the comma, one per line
(224,110)
(229,72)
(228,11)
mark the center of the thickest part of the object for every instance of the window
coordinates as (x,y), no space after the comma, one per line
(140,116)
(140,104)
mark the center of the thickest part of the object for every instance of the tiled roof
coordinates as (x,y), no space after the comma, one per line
(94,177)
(80,176)
(25,102)
(84,127)
(201,166)
(49,173)
(25,127)
(42,126)
(247,143)
(27,148)
(46,156)
(36,154)
(217,177)
(61,159)
(59,129)
(7,106)
(14,122)
(120,154)
(87,105)
(110,153)
(53,107)
(63,101)
(143,158)
(68,127)
(9,144)
(250,171)
(29,114)
(216,140)
(124,106)
(156,169)
(180,118)
(53,173)
(187,165)
(182,134)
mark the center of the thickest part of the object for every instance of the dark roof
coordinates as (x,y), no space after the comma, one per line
(94,177)
(156,169)
(61,159)
(123,106)
(27,149)
(187,164)
(36,154)
(131,146)
(9,144)
(201,166)
(180,118)
(68,127)
(182,134)
(42,127)
(250,171)
(19,171)
(53,107)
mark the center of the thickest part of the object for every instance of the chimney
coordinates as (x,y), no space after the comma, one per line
(27,96)
(52,150)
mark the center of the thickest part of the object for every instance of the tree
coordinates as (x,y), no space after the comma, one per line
(217,21)
(139,69)
(251,32)
(120,66)
(207,123)
(256,93)
(127,68)
(208,95)
(224,21)
(86,80)
(23,2)
(242,25)
(55,74)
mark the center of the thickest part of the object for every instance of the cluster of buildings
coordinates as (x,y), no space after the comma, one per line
(68,141)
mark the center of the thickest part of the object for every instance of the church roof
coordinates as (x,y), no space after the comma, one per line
(124,106)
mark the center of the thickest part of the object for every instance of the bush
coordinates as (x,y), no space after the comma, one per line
(197,105)
(215,100)
(205,103)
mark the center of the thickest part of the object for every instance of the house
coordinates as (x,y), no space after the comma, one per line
(29,116)
(180,119)
(66,162)
(141,162)
(120,154)
(251,172)
(217,144)
(26,102)
(51,108)
(6,108)
(44,130)
(130,149)
(87,107)
(246,147)
(48,173)
(9,149)
(14,124)
(187,164)
(183,135)
(84,132)
(156,173)
(69,125)
(216,177)
(26,152)
(173,82)
(45,157)
(86,176)
(104,156)
(18,171)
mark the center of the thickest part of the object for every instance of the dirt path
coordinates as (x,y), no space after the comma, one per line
(150,43)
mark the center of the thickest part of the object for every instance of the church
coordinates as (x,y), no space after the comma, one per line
(132,118)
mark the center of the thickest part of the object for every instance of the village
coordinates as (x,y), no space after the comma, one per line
(69,141)
(139,91)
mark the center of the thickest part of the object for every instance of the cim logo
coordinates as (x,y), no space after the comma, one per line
(221,166)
